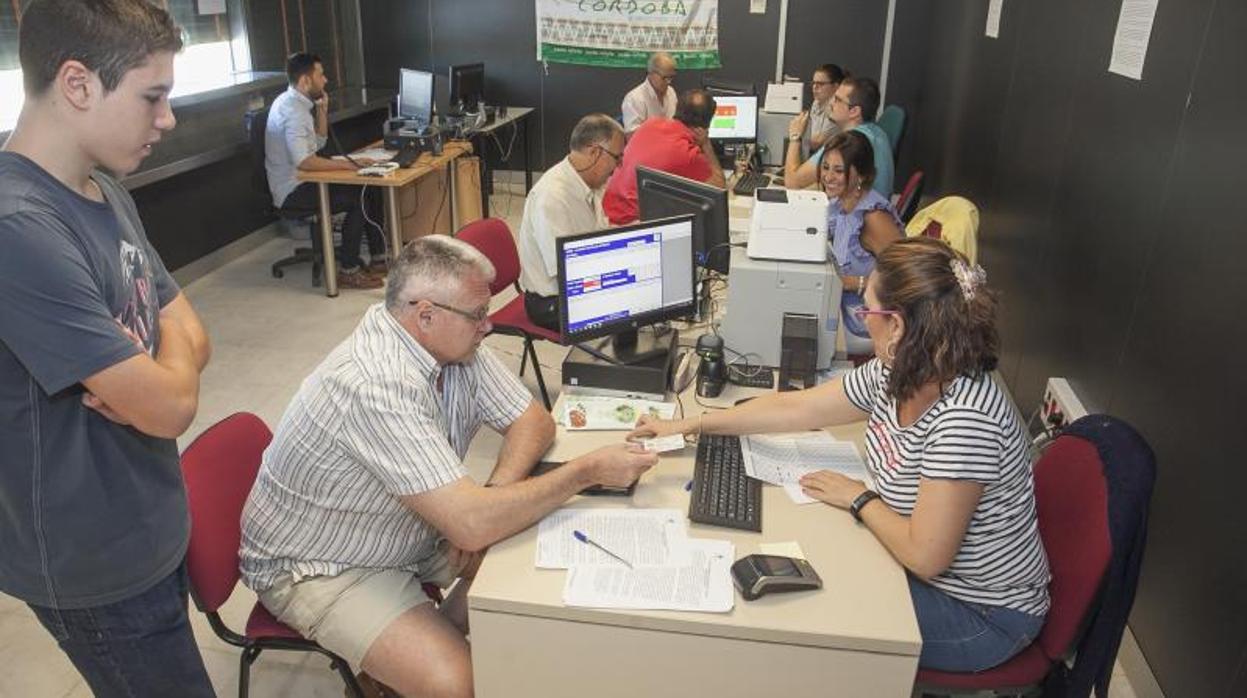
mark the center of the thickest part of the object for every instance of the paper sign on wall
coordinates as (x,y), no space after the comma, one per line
(993,18)
(1134,31)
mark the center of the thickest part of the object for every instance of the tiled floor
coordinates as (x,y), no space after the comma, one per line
(267,335)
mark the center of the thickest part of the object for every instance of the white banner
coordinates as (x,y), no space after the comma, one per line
(623,33)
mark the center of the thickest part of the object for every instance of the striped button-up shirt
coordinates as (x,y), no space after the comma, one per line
(368,426)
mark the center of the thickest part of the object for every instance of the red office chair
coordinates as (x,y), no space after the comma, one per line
(1071,498)
(219,468)
(907,202)
(493,238)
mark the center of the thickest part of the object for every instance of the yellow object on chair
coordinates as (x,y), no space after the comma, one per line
(953,219)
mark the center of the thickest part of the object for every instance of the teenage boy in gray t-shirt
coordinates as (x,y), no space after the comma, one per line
(100,355)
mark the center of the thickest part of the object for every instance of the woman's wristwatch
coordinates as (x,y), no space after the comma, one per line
(862,500)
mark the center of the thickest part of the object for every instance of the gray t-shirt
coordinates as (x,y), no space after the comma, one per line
(91,512)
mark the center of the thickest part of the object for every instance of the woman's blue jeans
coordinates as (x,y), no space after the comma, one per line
(965,637)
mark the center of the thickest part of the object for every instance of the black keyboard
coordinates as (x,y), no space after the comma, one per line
(406,156)
(723,495)
(754,377)
(749,182)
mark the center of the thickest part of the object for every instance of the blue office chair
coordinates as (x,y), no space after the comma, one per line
(892,121)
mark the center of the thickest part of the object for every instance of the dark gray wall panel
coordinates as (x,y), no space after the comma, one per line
(907,83)
(848,33)
(1181,377)
(1111,223)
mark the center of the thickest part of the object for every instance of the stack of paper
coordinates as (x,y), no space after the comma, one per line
(652,563)
(782,459)
(697,579)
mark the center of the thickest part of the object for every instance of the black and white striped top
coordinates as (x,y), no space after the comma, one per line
(367,426)
(971,433)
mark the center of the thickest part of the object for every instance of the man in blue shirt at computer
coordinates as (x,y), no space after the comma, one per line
(297,129)
(853,108)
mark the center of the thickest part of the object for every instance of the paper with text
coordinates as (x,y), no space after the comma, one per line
(1134,31)
(993,18)
(700,581)
(781,459)
(640,536)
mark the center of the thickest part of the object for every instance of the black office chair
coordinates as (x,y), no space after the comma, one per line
(254,122)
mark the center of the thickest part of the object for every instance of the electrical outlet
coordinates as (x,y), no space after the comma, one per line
(1060,405)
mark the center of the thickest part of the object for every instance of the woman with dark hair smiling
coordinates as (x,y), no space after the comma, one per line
(955,501)
(860,223)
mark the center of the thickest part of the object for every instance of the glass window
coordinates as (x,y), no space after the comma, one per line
(205,63)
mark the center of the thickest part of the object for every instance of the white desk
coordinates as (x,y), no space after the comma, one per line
(857,636)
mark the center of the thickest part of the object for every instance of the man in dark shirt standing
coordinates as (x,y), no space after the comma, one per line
(100,355)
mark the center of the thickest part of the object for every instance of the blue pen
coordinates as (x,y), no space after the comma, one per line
(580,536)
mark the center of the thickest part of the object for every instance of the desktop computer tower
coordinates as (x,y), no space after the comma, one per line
(761,291)
(772,134)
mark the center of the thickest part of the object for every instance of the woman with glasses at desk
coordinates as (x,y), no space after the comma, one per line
(954,500)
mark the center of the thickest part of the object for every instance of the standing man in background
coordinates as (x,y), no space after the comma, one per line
(100,355)
(298,127)
(654,96)
(565,201)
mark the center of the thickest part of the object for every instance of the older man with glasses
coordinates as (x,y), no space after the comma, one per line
(363,498)
(654,96)
(565,201)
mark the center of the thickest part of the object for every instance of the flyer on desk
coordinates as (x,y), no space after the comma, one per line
(582,412)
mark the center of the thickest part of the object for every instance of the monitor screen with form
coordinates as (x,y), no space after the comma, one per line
(617,279)
(735,118)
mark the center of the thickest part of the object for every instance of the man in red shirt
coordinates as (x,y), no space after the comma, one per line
(680,146)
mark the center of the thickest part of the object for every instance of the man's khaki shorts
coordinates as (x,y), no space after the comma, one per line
(346,612)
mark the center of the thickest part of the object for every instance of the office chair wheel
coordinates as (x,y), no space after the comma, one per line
(278,273)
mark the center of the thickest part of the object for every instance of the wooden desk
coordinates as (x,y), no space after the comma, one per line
(857,636)
(390,183)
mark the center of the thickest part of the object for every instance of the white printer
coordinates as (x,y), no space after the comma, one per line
(789,225)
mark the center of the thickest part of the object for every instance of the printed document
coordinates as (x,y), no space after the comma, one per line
(781,459)
(701,581)
(640,536)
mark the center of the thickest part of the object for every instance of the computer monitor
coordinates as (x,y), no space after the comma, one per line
(467,86)
(415,96)
(613,281)
(735,119)
(717,87)
(662,194)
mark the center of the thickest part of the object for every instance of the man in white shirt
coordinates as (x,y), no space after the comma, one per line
(654,96)
(363,499)
(566,200)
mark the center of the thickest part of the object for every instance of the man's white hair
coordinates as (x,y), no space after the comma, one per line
(656,61)
(431,268)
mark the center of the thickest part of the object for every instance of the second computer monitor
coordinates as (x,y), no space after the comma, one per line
(415,96)
(613,281)
(467,86)
(735,119)
(662,194)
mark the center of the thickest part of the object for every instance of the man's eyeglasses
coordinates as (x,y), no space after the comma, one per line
(617,156)
(821,83)
(476,317)
(665,78)
(862,312)
(841,100)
